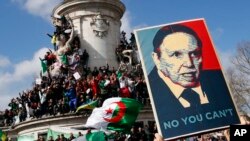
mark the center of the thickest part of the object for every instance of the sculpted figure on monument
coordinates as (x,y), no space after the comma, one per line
(99,25)
(64,45)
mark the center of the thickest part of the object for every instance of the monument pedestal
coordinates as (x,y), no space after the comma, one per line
(97,23)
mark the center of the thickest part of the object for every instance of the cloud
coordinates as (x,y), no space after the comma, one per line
(4,61)
(4,100)
(225,58)
(217,33)
(127,24)
(20,78)
(42,8)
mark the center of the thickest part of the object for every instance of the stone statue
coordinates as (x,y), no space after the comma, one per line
(63,44)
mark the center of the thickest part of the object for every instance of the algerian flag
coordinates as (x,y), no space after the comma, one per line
(117,114)
(44,66)
(63,59)
(95,136)
(89,106)
(3,136)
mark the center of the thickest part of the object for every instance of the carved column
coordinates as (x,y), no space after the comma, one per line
(97,23)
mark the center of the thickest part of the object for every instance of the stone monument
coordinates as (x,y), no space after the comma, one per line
(97,24)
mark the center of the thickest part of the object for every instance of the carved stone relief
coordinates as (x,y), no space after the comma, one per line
(99,25)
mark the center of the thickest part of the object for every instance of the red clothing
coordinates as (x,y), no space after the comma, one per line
(124,92)
(94,87)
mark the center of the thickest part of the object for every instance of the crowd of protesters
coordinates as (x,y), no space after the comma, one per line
(145,133)
(136,134)
(59,92)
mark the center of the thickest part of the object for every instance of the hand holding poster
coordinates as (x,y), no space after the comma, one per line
(187,88)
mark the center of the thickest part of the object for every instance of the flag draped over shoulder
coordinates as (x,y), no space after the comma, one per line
(3,136)
(95,136)
(118,114)
(89,106)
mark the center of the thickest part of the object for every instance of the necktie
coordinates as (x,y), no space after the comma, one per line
(191,96)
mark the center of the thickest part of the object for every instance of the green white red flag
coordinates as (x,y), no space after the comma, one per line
(118,114)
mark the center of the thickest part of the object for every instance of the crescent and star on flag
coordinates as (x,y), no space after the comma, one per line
(121,112)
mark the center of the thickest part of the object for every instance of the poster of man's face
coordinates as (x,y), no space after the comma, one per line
(180,61)
(187,88)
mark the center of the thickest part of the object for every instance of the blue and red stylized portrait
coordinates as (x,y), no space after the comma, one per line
(187,87)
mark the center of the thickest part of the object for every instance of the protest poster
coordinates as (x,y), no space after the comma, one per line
(76,75)
(186,84)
